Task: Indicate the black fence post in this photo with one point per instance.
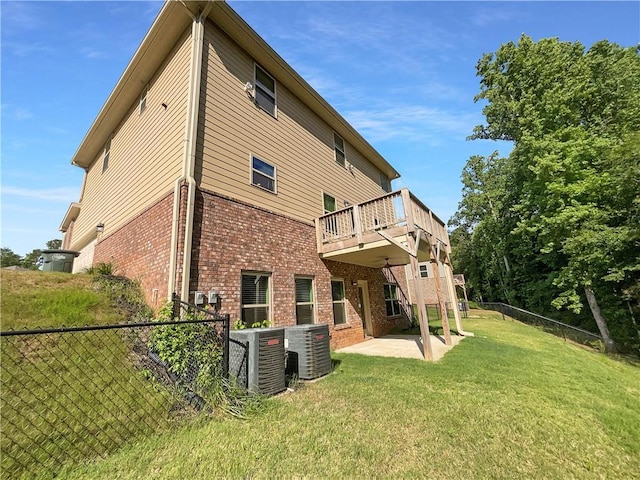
(225, 346)
(175, 312)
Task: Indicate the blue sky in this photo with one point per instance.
(403, 73)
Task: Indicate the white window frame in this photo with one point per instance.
(385, 183)
(335, 200)
(395, 302)
(254, 170)
(423, 268)
(105, 155)
(265, 90)
(142, 104)
(311, 303)
(342, 302)
(244, 306)
(342, 150)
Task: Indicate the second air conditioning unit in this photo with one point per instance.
(308, 352)
(256, 359)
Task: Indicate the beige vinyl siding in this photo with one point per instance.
(146, 152)
(298, 143)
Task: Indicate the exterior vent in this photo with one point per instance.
(256, 359)
(308, 353)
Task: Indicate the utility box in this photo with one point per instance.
(58, 260)
(256, 359)
(308, 351)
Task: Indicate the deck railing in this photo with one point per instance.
(396, 209)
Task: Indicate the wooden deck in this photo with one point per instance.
(375, 232)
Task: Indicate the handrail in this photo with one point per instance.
(394, 209)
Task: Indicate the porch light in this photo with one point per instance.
(100, 228)
(354, 283)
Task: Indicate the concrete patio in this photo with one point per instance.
(403, 346)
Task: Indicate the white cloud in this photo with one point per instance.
(60, 194)
(89, 52)
(496, 15)
(412, 122)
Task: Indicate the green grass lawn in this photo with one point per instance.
(67, 397)
(511, 402)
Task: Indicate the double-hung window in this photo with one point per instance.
(265, 91)
(338, 146)
(105, 156)
(143, 101)
(424, 271)
(385, 183)
(263, 174)
(304, 300)
(391, 299)
(329, 203)
(338, 298)
(255, 298)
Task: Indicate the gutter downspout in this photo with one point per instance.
(188, 165)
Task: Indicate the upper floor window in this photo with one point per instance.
(391, 299)
(304, 300)
(338, 146)
(329, 203)
(263, 174)
(255, 298)
(265, 91)
(143, 101)
(105, 156)
(424, 272)
(385, 183)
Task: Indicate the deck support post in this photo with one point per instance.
(452, 295)
(441, 302)
(422, 308)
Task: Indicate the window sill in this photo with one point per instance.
(265, 189)
(341, 326)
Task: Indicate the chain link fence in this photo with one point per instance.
(70, 395)
(568, 332)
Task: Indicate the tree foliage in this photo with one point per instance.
(8, 258)
(562, 212)
(31, 260)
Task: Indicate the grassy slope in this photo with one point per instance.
(51, 299)
(513, 402)
(57, 397)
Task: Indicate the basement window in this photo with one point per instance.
(424, 271)
(263, 174)
(391, 299)
(255, 297)
(338, 299)
(304, 300)
(265, 91)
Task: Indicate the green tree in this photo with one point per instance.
(9, 258)
(54, 244)
(571, 181)
(31, 259)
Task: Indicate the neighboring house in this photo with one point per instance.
(214, 167)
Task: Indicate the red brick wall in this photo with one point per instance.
(231, 237)
(140, 249)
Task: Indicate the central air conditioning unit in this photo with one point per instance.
(308, 352)
(256, 359)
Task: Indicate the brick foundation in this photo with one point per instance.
(140, 250)
(231, 237)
